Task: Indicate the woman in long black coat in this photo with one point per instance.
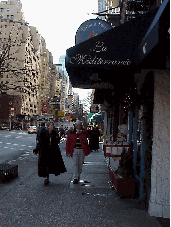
(94, 139)
(50, 158)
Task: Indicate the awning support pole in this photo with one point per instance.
(130, 122)
(135, 137)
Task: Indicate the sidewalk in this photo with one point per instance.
(26, 202)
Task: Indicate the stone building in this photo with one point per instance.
(64, 92)
(94, 108)
(58, 84)
(101, 8)
(11, 9)
(27, 68)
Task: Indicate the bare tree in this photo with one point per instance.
(12, 61)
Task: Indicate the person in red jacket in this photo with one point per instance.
(77, 147)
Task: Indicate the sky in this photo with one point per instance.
(57, 21)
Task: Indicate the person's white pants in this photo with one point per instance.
(78, 160)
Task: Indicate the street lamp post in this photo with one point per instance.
(10, 103)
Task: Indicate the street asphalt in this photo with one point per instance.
(26, 202)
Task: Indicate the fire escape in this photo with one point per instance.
(127, 10)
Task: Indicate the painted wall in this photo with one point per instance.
(159, 204)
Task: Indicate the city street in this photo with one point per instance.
(25, 201)
(14, 144)
(103, 79)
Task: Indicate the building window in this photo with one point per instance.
(5, 26)
(12, 17)
(1, 16)
(7, 16)
(1, 9)
(7, 9)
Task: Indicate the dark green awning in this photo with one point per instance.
(111, 58)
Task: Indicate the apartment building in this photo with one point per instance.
(94, 108)
(101, 8)
(58, 83)
(11, 9)
(63, 92)
(27, 68)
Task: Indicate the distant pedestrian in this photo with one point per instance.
(94, 139)
(77, 147)
(50, 158)
(62, 131)
(40, 129)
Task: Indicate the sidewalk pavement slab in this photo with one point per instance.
(26, 202)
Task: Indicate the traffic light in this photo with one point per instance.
(12, 111)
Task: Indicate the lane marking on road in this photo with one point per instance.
(15, 144)
(5, 147)
(23, 145)
(12, 148)
(8, 143)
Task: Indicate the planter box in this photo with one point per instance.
(8, 172)
(125, 187)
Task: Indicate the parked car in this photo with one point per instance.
(32, 129)
(4, 127)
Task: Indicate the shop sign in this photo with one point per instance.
(44, 107)
(96, 56)
(82, 59)
(61, 113)
(91, 28)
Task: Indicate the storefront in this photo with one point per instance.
(126, 65)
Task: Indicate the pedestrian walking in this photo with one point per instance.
(77, 147)
(50, 158)
(94, 139)
(40, 129)
(62, 131)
